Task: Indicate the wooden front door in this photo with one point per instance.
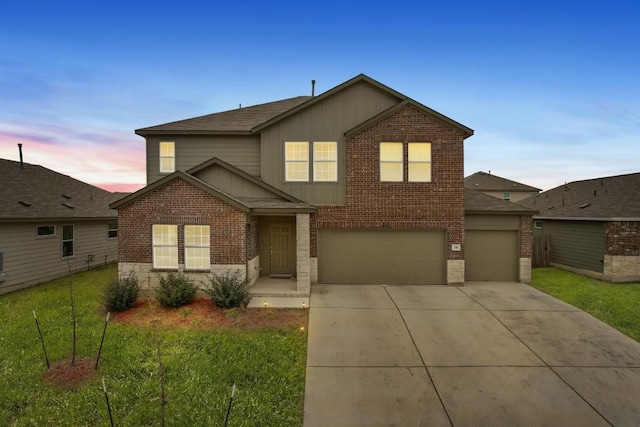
(282, 251)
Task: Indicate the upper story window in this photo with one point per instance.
(301, 157)
(391, 162)
(197, 247)
(165, 246)
(506, 195)
(325, 161)
(296, 158)
(419, 162)
(45, 230)
(167, 157)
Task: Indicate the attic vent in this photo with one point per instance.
(23, 203)
(68, 205)
(585, 205)
(66, 196)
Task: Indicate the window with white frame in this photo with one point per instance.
(67, 241)
(45, 230)
(112, 230)
(197, 247)
(296, 159)
(325, 161)
(506, 195)
(165, 246)
(167, 157)
(391, 162)
(419, 162)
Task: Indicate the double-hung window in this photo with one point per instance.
(392, 161)
(325, 161)
(296, 158)
(165, 246)
(112, 230)
(67, 241)
(197, 247)
(167, 157)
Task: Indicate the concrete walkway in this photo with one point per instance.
(487, 354)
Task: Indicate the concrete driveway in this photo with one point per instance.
(487, 354)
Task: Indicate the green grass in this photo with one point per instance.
(615, 304)
(267, 366)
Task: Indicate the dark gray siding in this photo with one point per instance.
(242, 152)
(577, 244)
(233, 184)
(327, 120)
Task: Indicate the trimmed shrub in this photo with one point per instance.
(176, 290)
(227, 290)
(121, 293)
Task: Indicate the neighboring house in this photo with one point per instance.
(51, 224)
(501, 188)
(360, 184)
(594, 226)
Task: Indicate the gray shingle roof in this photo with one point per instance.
(483, 181)
(238, 120)
(606, 198)
(477, 202)
(35, 192)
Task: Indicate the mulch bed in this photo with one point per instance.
(70, 377)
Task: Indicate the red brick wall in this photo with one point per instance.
(622, 238)
(401, 205)
(526, 236)
(180, 203)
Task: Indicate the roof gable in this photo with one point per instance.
(30, 192)
(483, 181)
(607, 198)
(476, 202)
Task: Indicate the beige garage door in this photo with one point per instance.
(382, 256)
(491, 255)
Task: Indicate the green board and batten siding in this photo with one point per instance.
(577, 244)
(242, 151)
(327, 120)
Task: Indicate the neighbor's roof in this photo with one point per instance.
(483, 181)
(476, 202)
(605, 199)
(255, 118)
(33, 192)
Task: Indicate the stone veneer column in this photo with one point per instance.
(303, 252)
(525, 270)
(455, 272)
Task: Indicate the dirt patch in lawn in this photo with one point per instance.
(70, 377)
(202, 313)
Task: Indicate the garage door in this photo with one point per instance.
(491, 255)
(382, 256)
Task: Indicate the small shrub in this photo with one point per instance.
(175, 290)
(121, 293)
(227, 290)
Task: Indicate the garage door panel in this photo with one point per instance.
(491, 255)
(382, 256)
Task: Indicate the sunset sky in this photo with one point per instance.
(551, 88)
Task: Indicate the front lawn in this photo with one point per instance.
(202, 361)
(615, 304)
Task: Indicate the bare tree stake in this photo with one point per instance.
(46, 358)
(104, 332)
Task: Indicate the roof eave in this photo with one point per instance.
(584, 218)
(485, 212)
(144, 133)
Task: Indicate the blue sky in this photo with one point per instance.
(551, 88)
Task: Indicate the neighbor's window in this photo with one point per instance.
(391, 161)
(167, 157)
(197, 247)
(67, 240)
(325, 161)
(165, 246)
(506, 196)
(45, 230)
(537, 225)
(112, 230)
(419, 162)
(296, 159)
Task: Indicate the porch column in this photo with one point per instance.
(303, 253)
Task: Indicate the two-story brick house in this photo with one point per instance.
(360, 184)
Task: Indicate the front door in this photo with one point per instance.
(281, 238)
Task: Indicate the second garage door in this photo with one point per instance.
(491, 255)
(382, 256)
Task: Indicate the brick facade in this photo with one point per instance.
(371, 203)
(180, 203)
(526, 236)
(622, 238)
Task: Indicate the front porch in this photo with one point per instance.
(278, 293)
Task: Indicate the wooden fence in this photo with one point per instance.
(541, 251)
